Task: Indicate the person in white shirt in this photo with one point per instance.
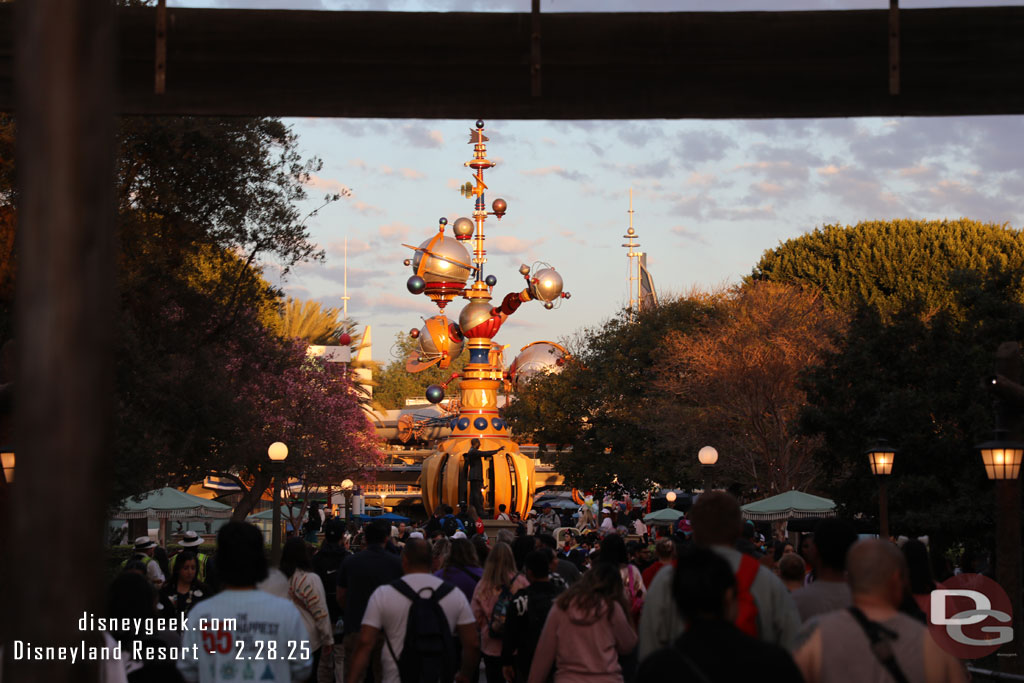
(606, 520)
(247, 634)
(388, 611)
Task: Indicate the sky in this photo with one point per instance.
(709, 196)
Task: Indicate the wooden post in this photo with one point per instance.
(64, 321)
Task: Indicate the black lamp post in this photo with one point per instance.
(881, 457)
(277, 454)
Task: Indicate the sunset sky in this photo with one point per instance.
(709, 196)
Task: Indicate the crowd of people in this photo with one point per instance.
(710, 600)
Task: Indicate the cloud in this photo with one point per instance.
(366, 209)
(701, 179)
(384, 169)
(396, 230)
(575, 176)
(510, 244)
(355, 247)
(329, 185)
(698, 147)
(420, 136)
(768, 188)
(660, 168)
(688, 234)
(572, 237)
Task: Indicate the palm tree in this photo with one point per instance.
(311, 321)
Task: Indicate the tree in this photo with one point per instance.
(916, 379)
(886, 264)
(310, 321)
(735, 383)
(393, 383)
(600, 413)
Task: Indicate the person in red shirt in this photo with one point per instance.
(665, 549)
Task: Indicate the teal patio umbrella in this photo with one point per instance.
(789, 505)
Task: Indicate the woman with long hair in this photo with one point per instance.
(499, 576)
(586, 631)
(461, 567)
(184, 590)
(306, 591)
(613, 550)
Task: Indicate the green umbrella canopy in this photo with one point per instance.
(665, 516)
(285, 512)
(789, 505)
(170, 503)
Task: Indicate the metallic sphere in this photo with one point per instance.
(538, 358)
(414, 333)
(435, 393)
(473, 314)
(407, 262)
(446, 261)
(442, 220)
(524, 269)
(548, 305)
(463, 227)
(416, 284)
(499, 206)
(631, 231)
(490, 280)
(345, 339)
(546, 285)
(479, 123)
(435, 340)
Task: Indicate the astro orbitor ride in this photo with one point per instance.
(443, 269)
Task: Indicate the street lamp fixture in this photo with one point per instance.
(881, 457)
(7, 459)
(277, 454)
(347, 487)
(707, 457)
(671, 498)
(1002, 458)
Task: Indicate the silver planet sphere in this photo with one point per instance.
(538, 358)
(463, 227)
(447, 261)
(546, 284)
(473, 314)
(435, 340)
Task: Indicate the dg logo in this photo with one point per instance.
(970, 616)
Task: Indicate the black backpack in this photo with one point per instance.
(428, 653)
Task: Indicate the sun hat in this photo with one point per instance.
(190, 539)
(144, 543)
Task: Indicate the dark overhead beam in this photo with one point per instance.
(957, 61)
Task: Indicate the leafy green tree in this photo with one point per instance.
(599, 415)
(393, 383)
(916, 379)
(886, 264)
(311, 321)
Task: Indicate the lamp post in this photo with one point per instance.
(1002, 459)
(7, 458)
(346, 488)
(277, 453)
(671, 498)
(707, 456)
(881, 457)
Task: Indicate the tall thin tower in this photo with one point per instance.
(634, 272)
(345, 297)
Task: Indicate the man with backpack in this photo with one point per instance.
(450, 523)
(418, 615)
(765, 607)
